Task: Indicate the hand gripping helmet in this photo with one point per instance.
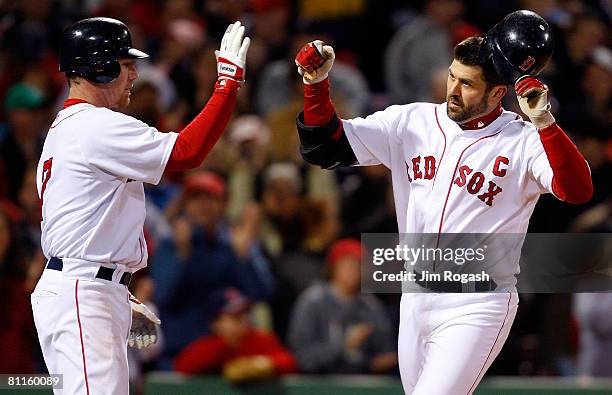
(91, 48)
(518, 45)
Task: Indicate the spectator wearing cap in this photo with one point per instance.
(235, 347)
(204, 254)
(335, 328)
(248, 138)
(282, 201)
(20, 137)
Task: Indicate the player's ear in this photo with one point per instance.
(498, 92)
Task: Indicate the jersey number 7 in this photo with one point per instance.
(46, 174)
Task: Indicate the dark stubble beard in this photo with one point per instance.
(467, 113)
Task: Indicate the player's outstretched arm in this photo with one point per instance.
(196, 140)
(571, 175)
(322, 139)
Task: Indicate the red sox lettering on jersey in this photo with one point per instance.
(449, 180)
(472, 180)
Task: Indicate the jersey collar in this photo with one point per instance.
(484, 121)
(451, 128)
(72, 101)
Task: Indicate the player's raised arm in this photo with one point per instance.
(196, 140)
(571, 180)
(322, 139)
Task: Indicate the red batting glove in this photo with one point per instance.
(310, 57)
(314, 61)
(532, 96)
(231, 57)
(527, 83)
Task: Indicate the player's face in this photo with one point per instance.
(232, 327)
(467, 96)
(347, 273)
(204, 209)
(118, 94)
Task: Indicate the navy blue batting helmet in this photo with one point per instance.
(520, 44)
(91, 48)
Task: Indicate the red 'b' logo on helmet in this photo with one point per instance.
(527, 63)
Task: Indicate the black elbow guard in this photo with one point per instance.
(319, 148)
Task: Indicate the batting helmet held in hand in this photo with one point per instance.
(91, 48)
(520, 44)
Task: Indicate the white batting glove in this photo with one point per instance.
(314, 61)
(533, 98)
(143, 332)
(231, 57)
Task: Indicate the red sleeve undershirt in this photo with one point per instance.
(196, 140)
(571, 175)
(318, 107)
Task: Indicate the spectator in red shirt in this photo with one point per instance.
(239, 351)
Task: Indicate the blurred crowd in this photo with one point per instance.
(254, 257)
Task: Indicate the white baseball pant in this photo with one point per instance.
(83, 326)
(448, 341)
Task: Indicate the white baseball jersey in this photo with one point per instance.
(90, 181)
(449, 180)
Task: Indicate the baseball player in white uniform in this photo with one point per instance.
(463, 166)
(90, 182)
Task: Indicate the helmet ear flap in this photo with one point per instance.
(100, 71)
(105, 70)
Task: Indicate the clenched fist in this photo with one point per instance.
(314, 61)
